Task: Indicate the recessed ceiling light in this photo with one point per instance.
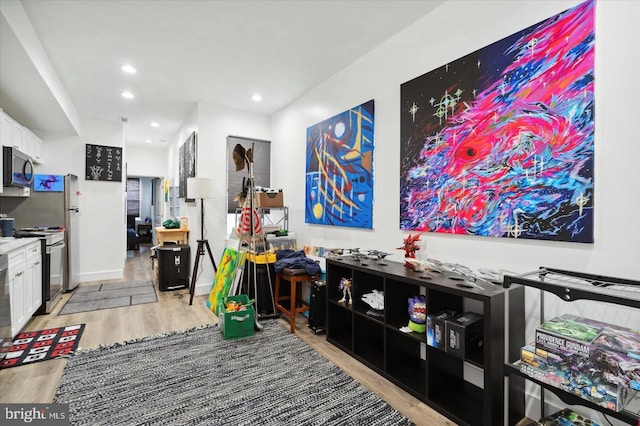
(154, 124)
(129, 69)
(127, 95)
(256, 98)
(148, 140)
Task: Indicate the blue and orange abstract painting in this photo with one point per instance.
(500, 142)
(339, 172)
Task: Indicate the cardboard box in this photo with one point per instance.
(236, 324)
(603, 394)
(436, 333)
(602, 366)
(464, 337)
(270, 199)
(566, 417)
(584, 336)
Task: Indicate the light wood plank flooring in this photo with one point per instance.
(37, 383)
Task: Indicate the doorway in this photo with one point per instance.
(144, 211)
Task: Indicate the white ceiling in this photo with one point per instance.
(187, 51)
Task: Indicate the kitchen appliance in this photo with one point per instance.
(48, 210)
(53, 264)
(17, 167)
(5, 308)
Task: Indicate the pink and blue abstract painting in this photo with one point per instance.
(500, 142)
(339, 169)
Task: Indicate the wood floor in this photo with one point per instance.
(37, 383)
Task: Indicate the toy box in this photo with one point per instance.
(540, 358)
(565, 333)
(582, 336)
(464, 335)
(603, 394)
(566, 417)
(601, 366)
(436, 328)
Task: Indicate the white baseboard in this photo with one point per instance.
(101, 275)
(202, 289)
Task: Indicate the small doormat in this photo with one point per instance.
(110, 295)
(35, 346)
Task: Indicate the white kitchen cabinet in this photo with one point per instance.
(38, 152)
(33, 284)
(17, 278)
(14, 134)
(25, 283)
(19, 137)
(6, 127)
(29, 140)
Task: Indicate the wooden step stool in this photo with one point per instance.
(296, 304)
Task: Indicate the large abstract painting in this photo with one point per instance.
(500, 142)
(339, 172)
(187, 165)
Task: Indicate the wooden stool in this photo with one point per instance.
(296, 304)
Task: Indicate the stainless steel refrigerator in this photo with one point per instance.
(52, 203)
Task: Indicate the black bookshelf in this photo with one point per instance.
(430, 374)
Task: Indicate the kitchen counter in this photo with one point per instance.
(8, 244)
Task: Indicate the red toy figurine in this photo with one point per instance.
(410, 247)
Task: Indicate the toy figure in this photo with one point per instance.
(345, 286)
(410, 247)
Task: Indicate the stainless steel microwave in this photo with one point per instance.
(17, 167)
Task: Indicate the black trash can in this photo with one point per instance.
(173, 266)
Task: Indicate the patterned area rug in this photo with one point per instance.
(112, 295)
(197, 378)
(34, 346)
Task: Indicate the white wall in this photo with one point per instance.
(432, 42)
(142, 161)
(102, 216)
(450, 32)
(213, 124)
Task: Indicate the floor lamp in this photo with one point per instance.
(200, 188)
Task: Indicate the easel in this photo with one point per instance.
(201, 188)
(249, 232)
(202, 244)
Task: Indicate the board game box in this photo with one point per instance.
(603, 394)
(582, 336)
(602, 366)
(566, 417)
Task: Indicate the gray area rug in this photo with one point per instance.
(197, 378)
(112, 295)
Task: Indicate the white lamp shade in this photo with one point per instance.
(200, 188)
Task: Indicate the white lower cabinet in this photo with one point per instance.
(25, 283)
(17, 273)
(34, 278)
